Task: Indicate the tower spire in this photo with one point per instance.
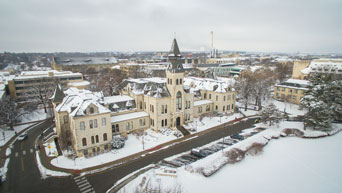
(175, 58)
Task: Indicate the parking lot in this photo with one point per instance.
(204, 151)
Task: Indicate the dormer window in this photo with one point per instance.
(91, 110)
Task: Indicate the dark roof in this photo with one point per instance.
(175, 59)
(59, 95)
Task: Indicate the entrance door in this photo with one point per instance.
(178, 121)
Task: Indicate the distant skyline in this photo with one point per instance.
(306, 26)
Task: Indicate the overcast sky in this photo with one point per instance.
(144, 25)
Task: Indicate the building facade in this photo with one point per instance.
(81, 64)
(292, 90)
(87, 121)
(28, 85)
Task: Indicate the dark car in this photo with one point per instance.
(198, 153)
(237, 136)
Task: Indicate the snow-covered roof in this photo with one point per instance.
(76, 101)
(80, 83)
(295, 83)
(85, 60)
(117, 99)
(325, 65)
(128, 116)
(206, 84)
(42, 74)
(202, 102)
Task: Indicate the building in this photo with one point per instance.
(24, 87)
(291, 90)
(302, 69)
(86, 121)
(82, 64)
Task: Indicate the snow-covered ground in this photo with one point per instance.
(35, 115)
(289, 164)
(209, 122)
(133, 145)
(50, 149)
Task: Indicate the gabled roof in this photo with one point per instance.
(58, 95)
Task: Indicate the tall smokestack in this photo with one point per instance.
(212, 40)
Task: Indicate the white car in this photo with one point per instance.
(22, 136)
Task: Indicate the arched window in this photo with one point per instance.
(92, 139)
(105, 137)
(162, 109)
(176, 81)
(179, 100)
(97, 138)
(84, 141)
(117, 127)
(162, 123)
(91, 110)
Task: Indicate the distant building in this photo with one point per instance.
(87, 121)
(291, 90)
(303, 69)
(22, 87)
(81, 64)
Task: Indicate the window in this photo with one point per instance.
(216, 107)
(224, 98)
(117, 128)
(199, 109)
(65, 119)
(140, 122)
(277, 94)
(144, 122)
(91, 110)
(165, 122)
(207, 108)
(283, 89)
(168, 81)
(82, 125)
(140, 105)
(290, 90)
(162, 109)
(180, 81)
(92, 139)
(162, 123)
(176, 81)
(179, 100)
(171, 81)
(106, 146)
(294, 97)
(127, 126)
(232, 106)
(165, 108)
(224, 108)
(296, 91)
(103, 121)
(85, 152)
(216, 97)
(278, 89)
(84, 141)
(91, 124)
(205, 95)
(209, 96)
(95, 123)
(97, 138)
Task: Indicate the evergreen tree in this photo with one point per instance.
(271, 114)
(323, 101)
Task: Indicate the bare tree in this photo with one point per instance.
(283, 70)
(244, 87)
(109, 83)
(9, 112)
(43, 90)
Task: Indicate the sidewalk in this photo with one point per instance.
(46, 161)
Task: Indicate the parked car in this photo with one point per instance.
(237, 136)
(198, 153)
(22, 136)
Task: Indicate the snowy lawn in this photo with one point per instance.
(35, 115)
(288, 164)
(209, 122)
(6, 135)
(133, 145)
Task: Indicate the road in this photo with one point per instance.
(24, 176)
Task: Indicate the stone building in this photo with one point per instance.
(86, 121)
